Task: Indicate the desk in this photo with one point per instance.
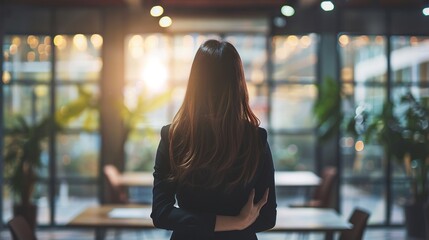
(97, 217)
(282, 179)
(288, 220)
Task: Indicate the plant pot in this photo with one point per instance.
(415, 220)
(29, 212)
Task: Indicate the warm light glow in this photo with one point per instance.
(292, 40)
(31, 56)
(359, 146)
(327, 6)
(6, 77)
(97, 40)
(16, 41)
(288, 11)
(6, 56)
(47, 40)
(156, 11)
(60, 42)
(80, 42)
(41, 48)
(347, 73)
(344, 40)
(135, 46)
(32, 41)
(379, 40)
(47, 49)
(155, 75)
(165, 21)
(13, 49)
(305, 41)
(414, 41)
(426, 11)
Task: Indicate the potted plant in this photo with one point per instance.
(137, 114)
(403, 130)
(23, 152)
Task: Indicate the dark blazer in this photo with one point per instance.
(194, 216)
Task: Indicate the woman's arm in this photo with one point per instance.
(166, 216)
(248, 214)
(268, 213)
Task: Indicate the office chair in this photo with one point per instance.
(359, 219)
(322, 195)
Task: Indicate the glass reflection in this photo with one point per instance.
(26, 58)
(294, 58)
(410, 59)
(293, 152)
(77, 155)
(363, 58)
(292, 107)
(78, 57)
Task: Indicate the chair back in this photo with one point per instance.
(20, 229)
(116, 193)
(359, 219)
(323, 193)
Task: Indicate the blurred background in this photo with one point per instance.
(133, 61)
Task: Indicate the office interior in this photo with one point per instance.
(133, 68)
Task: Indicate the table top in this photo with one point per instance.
(309, 220)
(288, 219)
(98, 216)
(282, 179)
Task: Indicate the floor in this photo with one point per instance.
(67, 234)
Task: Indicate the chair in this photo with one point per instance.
(359, 219)
(20, 229)
(117, 194)
(322, 195)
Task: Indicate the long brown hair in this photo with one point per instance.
(215, 131)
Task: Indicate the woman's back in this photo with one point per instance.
(213, 158)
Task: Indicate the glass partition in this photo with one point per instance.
(291, 99)
(364, 80)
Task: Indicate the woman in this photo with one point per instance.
(213, 158)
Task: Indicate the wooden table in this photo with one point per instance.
(288, 220)
(282, 179)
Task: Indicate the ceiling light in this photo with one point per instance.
(426, 11)
(287, 10)
(156, 11)
(165, 21)
(327, 6)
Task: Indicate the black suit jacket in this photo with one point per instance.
(194, 216)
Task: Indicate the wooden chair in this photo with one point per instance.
(322, 195)
(359, 219)
(20, 229)
(117, 194)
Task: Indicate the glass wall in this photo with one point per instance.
(293, 92)
(38, 85)
(157, 70)
(366, 87)
(363, 76)
(410, 73)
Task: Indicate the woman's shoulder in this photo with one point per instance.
(165, 131)
(262, 133)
